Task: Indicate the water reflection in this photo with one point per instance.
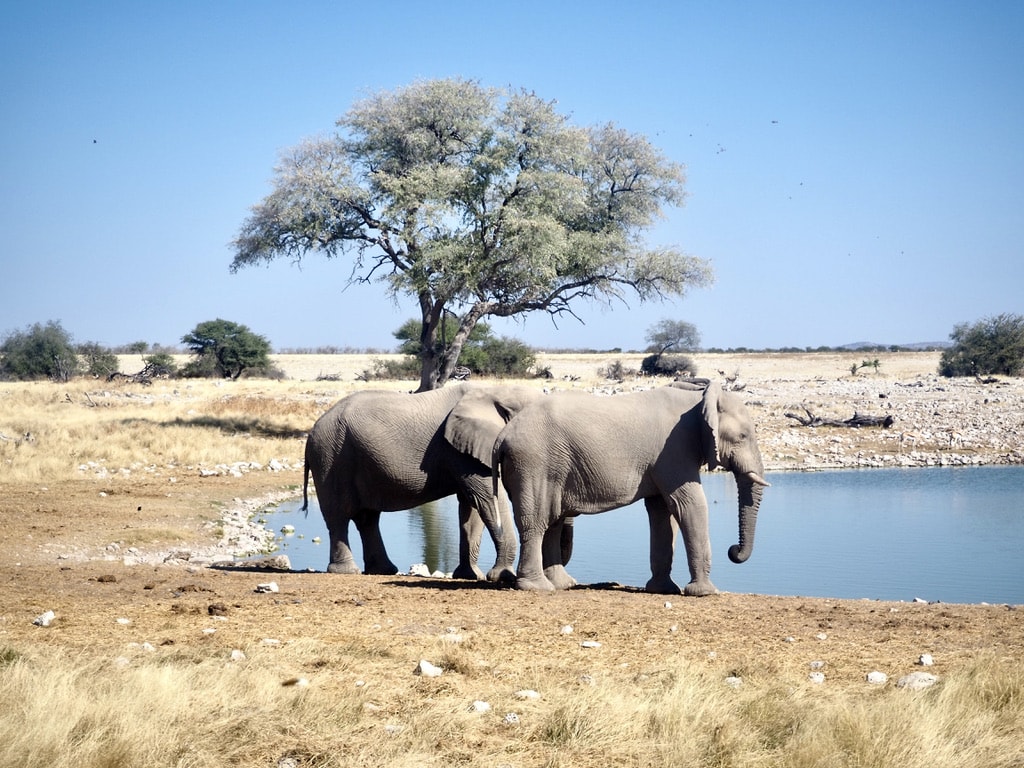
(949, 534)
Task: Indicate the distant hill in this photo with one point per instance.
(917, 345)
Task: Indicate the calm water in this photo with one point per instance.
(948, 534)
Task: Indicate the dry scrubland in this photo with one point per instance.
(141, 665)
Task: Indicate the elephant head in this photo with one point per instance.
(729, 442)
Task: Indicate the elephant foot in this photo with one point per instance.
(502, 575)
(557, 575)
(346, 566)
(468, 572)
(535, 583)
(700, 589)
(385, 568)
(662, 586)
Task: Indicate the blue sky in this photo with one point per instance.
(855, 170)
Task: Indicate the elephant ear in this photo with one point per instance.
(474, 423)
(709, 426)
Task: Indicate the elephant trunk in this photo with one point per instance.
(750, 487)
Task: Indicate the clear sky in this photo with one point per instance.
(855, 170)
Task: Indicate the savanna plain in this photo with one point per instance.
(114, 499)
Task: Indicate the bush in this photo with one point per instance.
(98, 362)
(482, 353)
(224, 349)
(668, 365)
(994, 345)
(39, 352)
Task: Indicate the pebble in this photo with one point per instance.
(817, 677)
(917, 681)
(237, 655)
(426, 669)
(567, 629)
(270, 586)
(877, 678)
(590, 644)
(480, 706)
(527, 694)
(925, 660)
(44, 619)
(734, 682)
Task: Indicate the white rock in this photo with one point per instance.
(734, 682)
(917, 681)
(123, 621)
(480, 706)
(511, 719)
(668, 604)
(237, 655)
(925, 660)
(426, 669)
(590, 644)
(821, 636)
(877, 678)
(527, 694)
(287, 530)
(817, 677)
(270, 641)
(817, 665)
(419, 569)
(270, 586)
(44, 619)
(568, 629)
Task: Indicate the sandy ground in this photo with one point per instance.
(174, 604)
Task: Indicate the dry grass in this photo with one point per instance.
(199, 710)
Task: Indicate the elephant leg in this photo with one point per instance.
(375, 556)
(497, 516)
(471, 528)
(342, 560)
(692, 510)
(567, 536)
(664, 530)
(552, 555)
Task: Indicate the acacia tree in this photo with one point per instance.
(225, 349)
(665, 334)
(478, 202)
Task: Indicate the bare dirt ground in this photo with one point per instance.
(79, 548)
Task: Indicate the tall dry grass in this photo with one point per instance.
(191, 709)
(51, 430)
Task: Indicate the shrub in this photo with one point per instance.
(482, 353)
(39, 352)
(98, 361)
(224, 349)
(994, 345)
(668, 365)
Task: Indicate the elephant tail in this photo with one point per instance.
(497, 454)
(305, 487)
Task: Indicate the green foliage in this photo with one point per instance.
(482, 353)
(98, 361)
(224, 349)
(668, 365)
(476, 202)
(854, 367)
(666, 334)
(994, 345)
(39, 352)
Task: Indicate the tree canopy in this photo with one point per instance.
(666, 334)
(477, 202)
(225, 349)
(992, 345)
(41, 351)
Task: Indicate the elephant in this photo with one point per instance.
(377, 451)
(574, 454)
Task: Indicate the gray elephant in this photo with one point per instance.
(569, 455)
(377, 451)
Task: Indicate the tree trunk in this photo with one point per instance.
(857, 420)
